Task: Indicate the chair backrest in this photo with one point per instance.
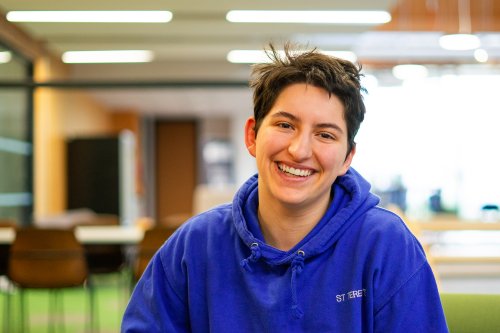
(152, 241)
(103, 258)
(472, 312)
(46, 258)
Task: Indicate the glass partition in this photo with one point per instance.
(15, 138)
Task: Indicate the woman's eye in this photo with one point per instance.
(284, 125)
(327, 136)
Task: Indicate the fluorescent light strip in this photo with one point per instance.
(459, 42)
(260, 56)
(112, 16)
(308, 16)
(115, 56)
(5, 57)
(409, 71)
(247, 57)
(347, 55)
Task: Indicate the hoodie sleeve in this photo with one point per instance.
(155, 305)
(415, 307)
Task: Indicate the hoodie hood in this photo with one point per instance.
(351, 199)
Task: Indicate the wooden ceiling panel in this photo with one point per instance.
(449, 16)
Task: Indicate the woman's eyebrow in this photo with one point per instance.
(284, 114)
(292, 117)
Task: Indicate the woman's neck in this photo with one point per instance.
(283, 228)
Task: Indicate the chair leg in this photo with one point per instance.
(59, 302)
(8, 323)
(6, 311)
(93, 323)
(24, 311)
(56, 312)
(52, 315)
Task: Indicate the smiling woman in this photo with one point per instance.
(304, 228)
(300, 148)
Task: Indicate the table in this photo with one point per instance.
(123, 235)
(463, 248)
(7, 235)
(454, 225)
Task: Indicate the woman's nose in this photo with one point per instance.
(300, 147)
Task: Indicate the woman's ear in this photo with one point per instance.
(250, 136)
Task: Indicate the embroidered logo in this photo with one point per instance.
(350, 295)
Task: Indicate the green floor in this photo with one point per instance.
(111, 296)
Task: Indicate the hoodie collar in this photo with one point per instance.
(351, 199)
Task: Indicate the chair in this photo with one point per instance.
(103, 258)
(50, 259)
(471, 313)
(106, 261)
(153, 239)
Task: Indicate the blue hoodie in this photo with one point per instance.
(359, 270)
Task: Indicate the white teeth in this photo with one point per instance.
(293, 171)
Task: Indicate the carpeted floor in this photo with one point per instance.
(72, 308)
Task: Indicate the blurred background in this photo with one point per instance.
(157, 139)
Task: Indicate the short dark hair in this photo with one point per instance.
(337, 76)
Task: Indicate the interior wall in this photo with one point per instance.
(58, 114)
(130, 120)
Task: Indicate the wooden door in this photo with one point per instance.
(176, 166)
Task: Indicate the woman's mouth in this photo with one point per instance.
(294, 171)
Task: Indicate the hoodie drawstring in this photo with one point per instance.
(297, 267)
(254, 257)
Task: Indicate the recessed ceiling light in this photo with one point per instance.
(481, 55)
(260, 56)
(308, 16)
(247, 56)
(114, 56)
(347, 55)
(5, 57)
(112, 16)
(459, 42)
(409, 71)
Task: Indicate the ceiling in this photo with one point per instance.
(190, 51)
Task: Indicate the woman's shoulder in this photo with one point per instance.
(214, 218)
(386, 221)
(197, 229)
